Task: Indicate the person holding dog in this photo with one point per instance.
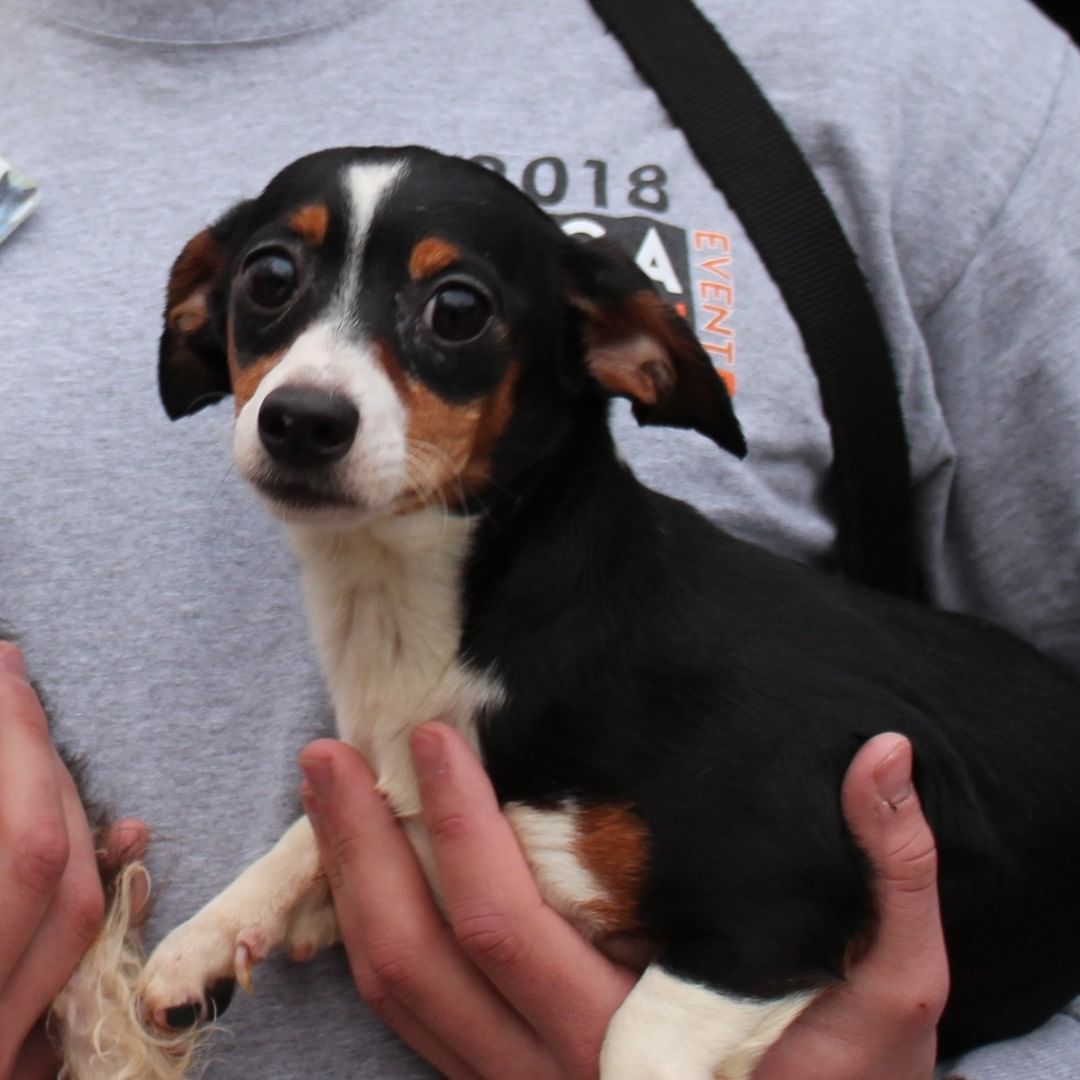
(178, 658)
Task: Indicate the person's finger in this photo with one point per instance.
(123, 843)
(34, 845)
(73, 917)
(883, 811)
(405, 963)
(565, 988)
(882, 1020)
(11, 660)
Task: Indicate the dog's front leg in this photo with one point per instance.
(282, 899)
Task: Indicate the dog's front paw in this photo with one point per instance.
(190, 977)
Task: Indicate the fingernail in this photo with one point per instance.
(311, 808)
(128, 841)
(892, 777)
(427, 754)
(11, 660)
(318, 777)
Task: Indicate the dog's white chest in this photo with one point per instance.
(385, 611)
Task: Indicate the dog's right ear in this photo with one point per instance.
(193, 369)
(637, 346)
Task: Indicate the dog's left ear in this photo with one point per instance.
(193, 369)
(637, 346)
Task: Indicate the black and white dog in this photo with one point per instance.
(422, 364)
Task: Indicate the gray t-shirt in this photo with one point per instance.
(156, 600)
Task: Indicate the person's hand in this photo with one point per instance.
(49, 882)
(508, 989)
(882, 1022)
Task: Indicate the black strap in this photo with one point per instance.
(744, 146)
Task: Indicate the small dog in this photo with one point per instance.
(422, 365)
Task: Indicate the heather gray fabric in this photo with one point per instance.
(155, 599)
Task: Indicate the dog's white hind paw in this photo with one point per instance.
(673, 1029)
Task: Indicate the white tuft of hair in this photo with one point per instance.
(94, 1021)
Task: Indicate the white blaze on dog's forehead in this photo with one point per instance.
(671, 1028)
(366, 186)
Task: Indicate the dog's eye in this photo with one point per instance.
(271, 278)
(458, 312)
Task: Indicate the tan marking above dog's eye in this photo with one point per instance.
(310, 223)
(431, 256)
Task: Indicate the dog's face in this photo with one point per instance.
(400, 328)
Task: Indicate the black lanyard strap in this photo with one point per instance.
(752, 158)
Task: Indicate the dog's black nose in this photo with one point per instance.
(304, 427)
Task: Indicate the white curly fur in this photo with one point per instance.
(94, 1020)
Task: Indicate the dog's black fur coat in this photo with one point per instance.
(721, 691)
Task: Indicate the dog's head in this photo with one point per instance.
(399, 328)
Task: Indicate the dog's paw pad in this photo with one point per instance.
(192, 1013)
(218, 997)
(179, 1017)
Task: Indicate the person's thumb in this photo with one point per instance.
(885, 816)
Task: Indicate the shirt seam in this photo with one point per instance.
(1022, 171)
(349, 11)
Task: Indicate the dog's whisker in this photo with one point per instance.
(225, 477)
(419, 452)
